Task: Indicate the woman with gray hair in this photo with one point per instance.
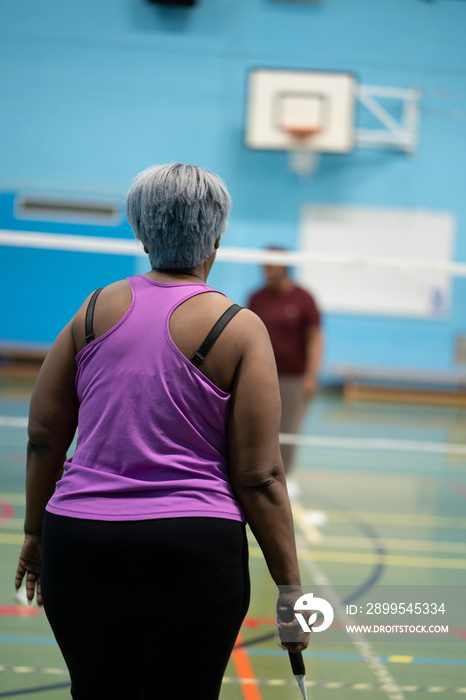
(139, 538)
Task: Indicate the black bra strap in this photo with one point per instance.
(199, 357)
(89, 322)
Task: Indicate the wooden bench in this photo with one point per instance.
(18, 361)
(409, 386)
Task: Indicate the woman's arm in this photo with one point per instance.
(314, 345)
(53, 417)
(256, 469)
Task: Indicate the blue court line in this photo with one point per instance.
(27, 640)
(28, 691)
(357, 657)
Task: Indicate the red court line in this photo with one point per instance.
(18, 611)
(245, 672)
(258, 621)
(7, 511)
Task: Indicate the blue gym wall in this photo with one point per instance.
(94, 92)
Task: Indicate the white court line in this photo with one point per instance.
(13, 422)
(325, 441)
(388, 684)
(372, 444)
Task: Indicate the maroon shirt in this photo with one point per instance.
(287, 318)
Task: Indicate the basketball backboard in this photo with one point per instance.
(285, 102)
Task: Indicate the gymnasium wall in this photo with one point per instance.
(94, 92)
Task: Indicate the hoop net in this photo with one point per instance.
(303, 159)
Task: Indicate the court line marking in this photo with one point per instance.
(245, 672)
(13, 422)
(6, 538)
(19, 611)
(446, 521)
(335, 685)
(383, 444)
(30, 691)
(387, 518)
(369, 558)
(47, 641)
(259, 681)
(341, 656)
(388, 684)
(322, 655)
(410, 545)
(333, 557)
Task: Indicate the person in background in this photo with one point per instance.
(136, 545)
(293, 321)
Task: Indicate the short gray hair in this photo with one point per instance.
(178, 211)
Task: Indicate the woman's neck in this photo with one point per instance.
(193, 274)
(177, 276)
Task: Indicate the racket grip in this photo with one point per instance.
(285, 612)
(297, 663)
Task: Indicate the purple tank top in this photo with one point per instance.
(152, 428)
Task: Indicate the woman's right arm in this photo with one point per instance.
(256, 468)
(53, 416)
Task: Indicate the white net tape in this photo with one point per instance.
(126, 246)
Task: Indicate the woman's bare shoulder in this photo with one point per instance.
(115, 298)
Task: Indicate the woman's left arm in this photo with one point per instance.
(53, 418)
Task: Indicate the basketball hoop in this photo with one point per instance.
(303, 159)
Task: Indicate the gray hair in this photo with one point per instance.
(178, 211)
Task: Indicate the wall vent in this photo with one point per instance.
(67, 210)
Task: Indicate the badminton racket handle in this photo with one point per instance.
(285, 613)
(297, 663)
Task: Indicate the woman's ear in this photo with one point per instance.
(146, 251)
(217, 243)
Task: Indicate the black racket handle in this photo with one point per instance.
(297, 663)
(286, 614)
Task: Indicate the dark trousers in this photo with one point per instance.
(148, 609)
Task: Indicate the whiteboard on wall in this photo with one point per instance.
(383, 233)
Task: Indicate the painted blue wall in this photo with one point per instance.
(93, 92)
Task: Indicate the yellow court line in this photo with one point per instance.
(312, 534)
(11, 539)
(410, 519)
(389, 559)
(409, 545)
(335, 557)
(372, 559)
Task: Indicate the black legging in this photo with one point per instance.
(148, 609)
